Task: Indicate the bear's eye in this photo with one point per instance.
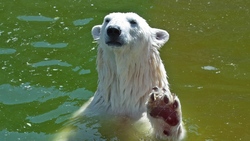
(132, 22)
(107, 20)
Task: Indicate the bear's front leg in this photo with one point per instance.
(165, 116)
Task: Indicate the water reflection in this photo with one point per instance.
(81, 71)
(209, 68)
(51, 63)
(7, 51)
(26, 93)
(39, 18)
(81, 22)
(44, 44)
(60, 114)
(32, 136)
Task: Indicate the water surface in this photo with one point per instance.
(48, 63)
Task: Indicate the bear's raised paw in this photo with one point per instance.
(164, 113)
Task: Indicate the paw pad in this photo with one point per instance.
(175, 105)
(165, 132)
(165, 98)
(165, 106)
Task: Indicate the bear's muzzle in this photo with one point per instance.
(114, 36)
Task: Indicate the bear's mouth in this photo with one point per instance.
(114, 43)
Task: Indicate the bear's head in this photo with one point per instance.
(121, 30)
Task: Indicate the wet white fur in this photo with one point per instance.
(127, 74)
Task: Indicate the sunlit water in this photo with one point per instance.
(48, 64)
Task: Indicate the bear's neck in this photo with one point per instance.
(125, 79)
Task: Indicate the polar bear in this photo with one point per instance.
(129, 66)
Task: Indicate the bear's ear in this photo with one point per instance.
(96, 31)
(160, 37)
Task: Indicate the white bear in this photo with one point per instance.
(129, 66)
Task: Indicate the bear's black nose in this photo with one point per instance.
(113, 32)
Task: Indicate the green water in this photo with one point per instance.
(47, 61)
